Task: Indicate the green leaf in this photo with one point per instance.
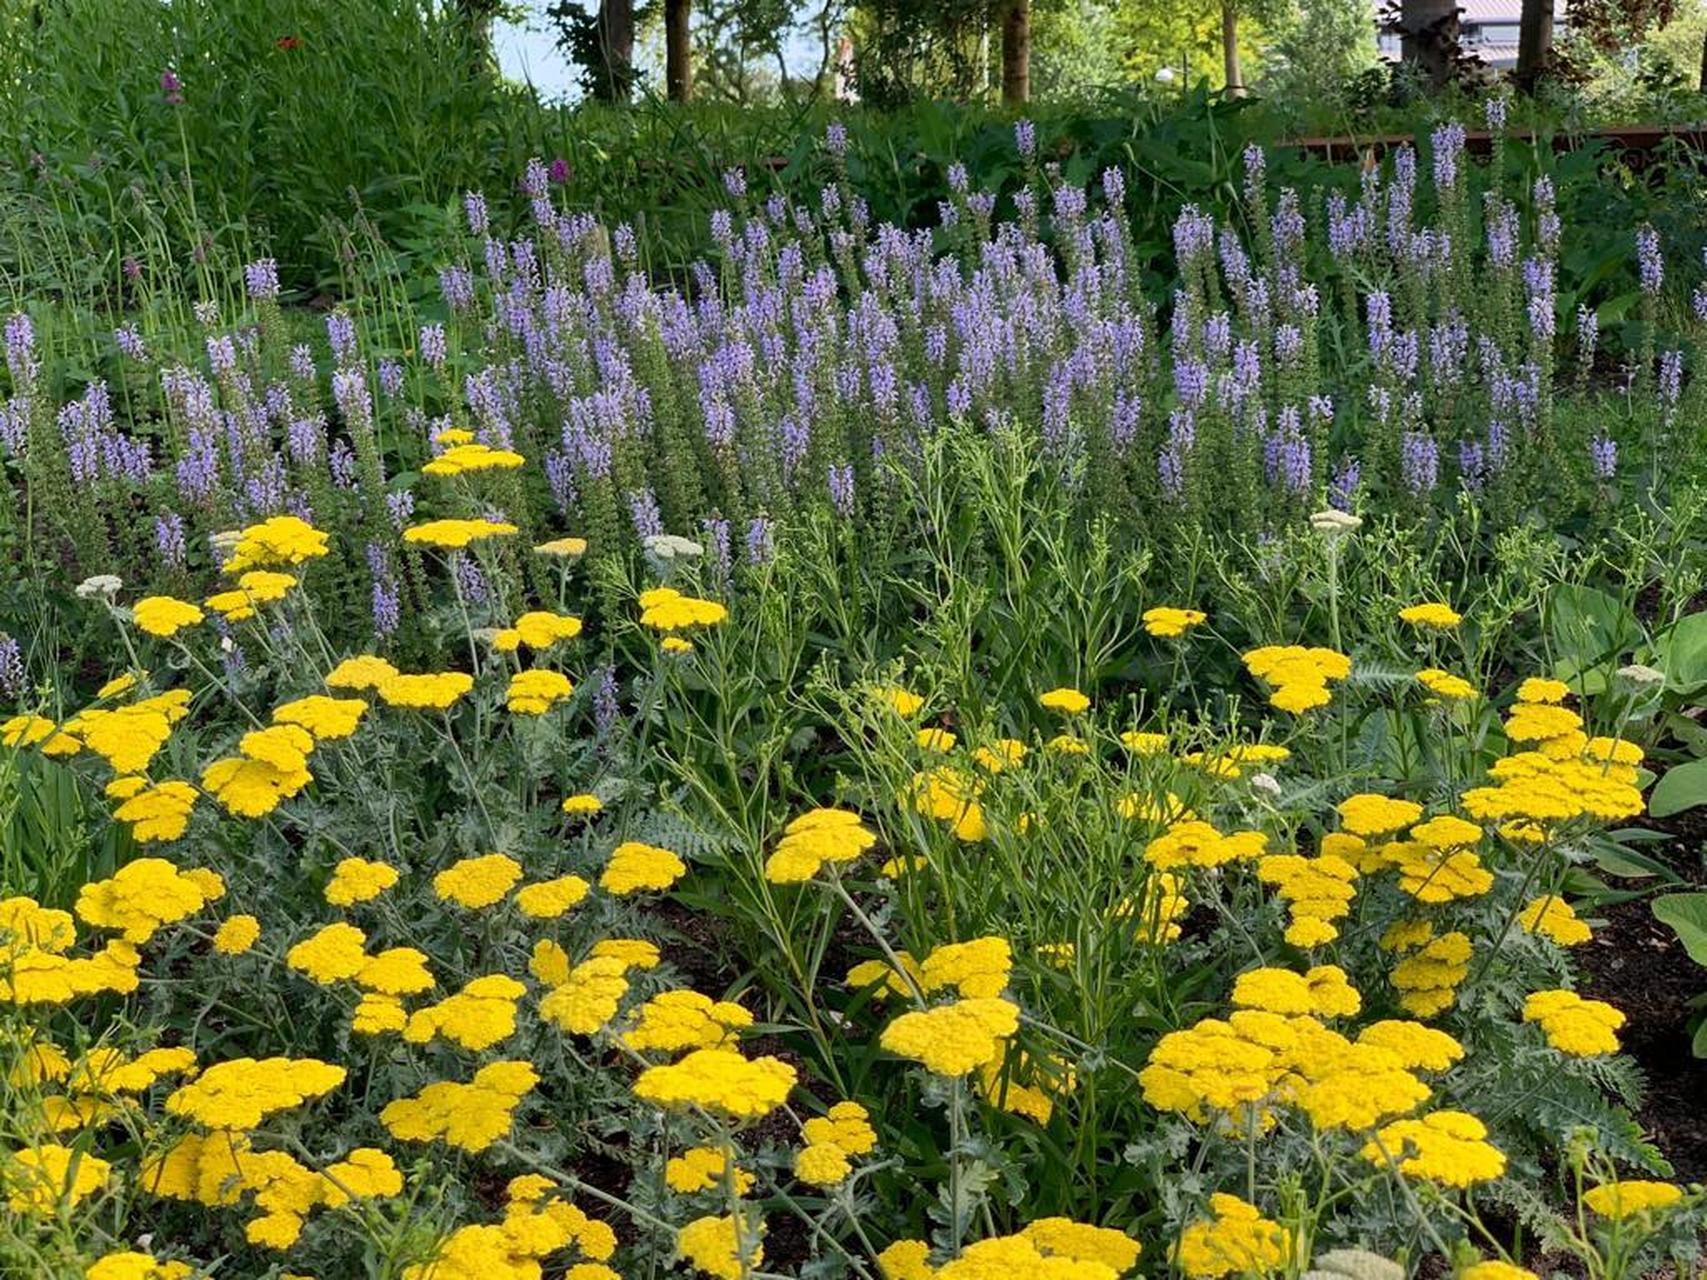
(1686, 913)
(1683, 787)
(1589, 626)
(1683, 652)
(1699, 1045)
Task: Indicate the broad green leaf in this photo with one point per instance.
(1686, 913)
(1683, 787)
(1589, 626)
(1682, 652)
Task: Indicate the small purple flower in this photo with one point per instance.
(171, 88)
(560, 478)
(130, 344)
(716, 530)
(457, 286)
(433, 346)
(1419, 462)
(1588, 333)
(1170, 470)
(836, 139)
(1256, 169)
(1494, 113)
(1194, 235)
(221, 354)
(302, 362)
(390, 377)
(470, 581)
(643, 510)
(1342, 489)
(1448, 145)
(343, 464)
(958, 181)
(606, 709)
(1671, 378)
(1603, 457)
(1472, 465)
(735, 183)
(1025, 138)
(559, 171)
(170, 542)
(400, 506)
(841, 485)
(261, 278)
(1114, 187)
(341, 332)
(1650, 262)
(474, 209)
(12, 676)
(21, 348)
(760, 548)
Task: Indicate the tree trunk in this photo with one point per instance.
(616, 50)
(1704, 64)
(1016, 52)
(1230, 49)
(1534, 43)
(678, 66)
(1430, 37)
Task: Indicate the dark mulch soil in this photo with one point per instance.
(1637, 964)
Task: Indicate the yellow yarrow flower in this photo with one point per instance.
(702, 1169)
(548, 899)
(164, 616)
(325, 719)
(1449, 1147)
(1572, 1025)
(435, 692)
(468, 1116)
(364, 671)
(274, 541)
(236, 935)
(1631, 1198)
(953, 1039)
(666, 609)
(538, 630)
(1066, 700)
(1235, 1240)
(635, 867)
(1166, 622)
(461, 459)
(813, 839)
(39, 1180)
(719, 1081)
(533, 693)
(1443, 684)
(358, 880)
(714, 1245)
(241, 1092)
(1432, 613)
(587, 996)
(478, 881)
(1552, 917)
(455, 535)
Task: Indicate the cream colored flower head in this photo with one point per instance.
(106, 585)
(1334, 523)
